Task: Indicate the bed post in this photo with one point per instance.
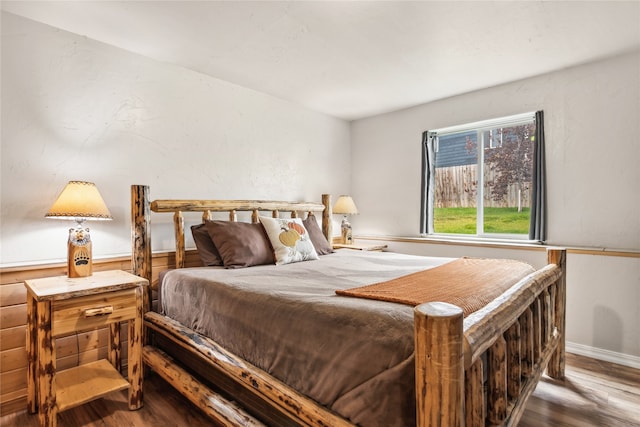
(555, 368)
(438, 334)
(327, 222)
(178, 229)
(140, 236)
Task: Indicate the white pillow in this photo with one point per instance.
(290, 240)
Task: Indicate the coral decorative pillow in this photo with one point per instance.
(289, 239)
(240, 244)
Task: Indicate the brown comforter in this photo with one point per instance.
(353, 355)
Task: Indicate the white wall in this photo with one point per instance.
(592, 130)
(74, 108)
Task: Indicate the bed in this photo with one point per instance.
(445, 368)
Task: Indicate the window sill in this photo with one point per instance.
(465, 241)
(503, 244)
(514, 240)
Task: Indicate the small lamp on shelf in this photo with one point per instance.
(79, 201)
(345, 206)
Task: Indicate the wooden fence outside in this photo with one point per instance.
(456, 187)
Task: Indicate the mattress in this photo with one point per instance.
(353, 355)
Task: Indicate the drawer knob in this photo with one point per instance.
(98, 311)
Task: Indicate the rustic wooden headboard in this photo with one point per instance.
(141, 209)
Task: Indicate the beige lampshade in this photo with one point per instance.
(345, 205)
(79, 200)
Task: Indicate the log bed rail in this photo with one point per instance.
(473, 371)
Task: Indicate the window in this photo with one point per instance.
(485, 179)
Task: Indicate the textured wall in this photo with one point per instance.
(74, 108)
(592, 143)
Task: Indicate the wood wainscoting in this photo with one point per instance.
(72, 350)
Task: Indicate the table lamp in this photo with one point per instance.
(345, 206)
(79, 201)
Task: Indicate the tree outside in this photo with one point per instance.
(511, 158)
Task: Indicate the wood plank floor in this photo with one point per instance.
(594, 393)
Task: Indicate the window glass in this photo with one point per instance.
(482, 180)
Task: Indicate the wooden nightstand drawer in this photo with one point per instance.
(92, 311)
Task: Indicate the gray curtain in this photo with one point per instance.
(428, 180)
(538, 224)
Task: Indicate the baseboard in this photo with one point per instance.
(606, 355)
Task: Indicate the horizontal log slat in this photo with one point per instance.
(219, 409)
(12, 337)
(13, 401)
(12, 294)
(232, 205)
(13, 315)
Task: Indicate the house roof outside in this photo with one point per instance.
(453, 151)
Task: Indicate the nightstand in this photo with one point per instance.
(59, 306)
(358, 247)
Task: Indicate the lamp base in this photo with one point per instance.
(347, 236)
(79, 263)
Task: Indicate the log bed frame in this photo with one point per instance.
(505, 347)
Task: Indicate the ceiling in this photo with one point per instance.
(353, 59)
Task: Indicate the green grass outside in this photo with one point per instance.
(496, 220)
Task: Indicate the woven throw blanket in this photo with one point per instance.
(469, 283)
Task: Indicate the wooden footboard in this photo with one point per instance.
(515, 338)
(506, 346)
